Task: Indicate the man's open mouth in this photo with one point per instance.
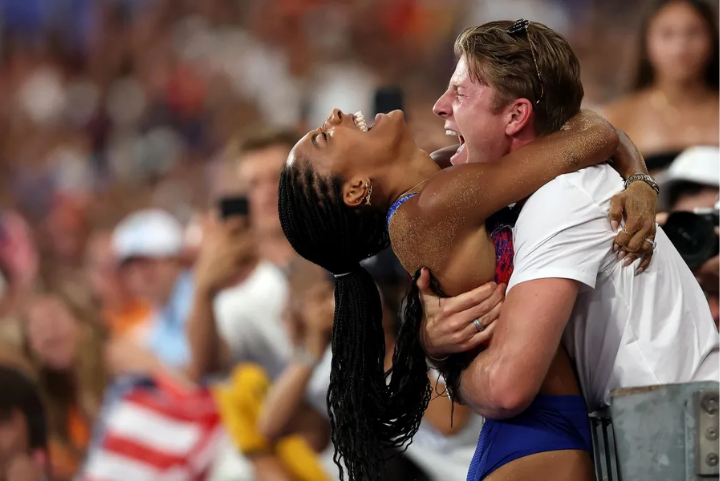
(461, 139)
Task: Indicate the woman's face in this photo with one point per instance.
(53, 333)
(341, 146)
(679, 44)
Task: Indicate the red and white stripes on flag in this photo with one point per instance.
(155, 432)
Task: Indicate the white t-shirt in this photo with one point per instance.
(625, 330)
(249, 319)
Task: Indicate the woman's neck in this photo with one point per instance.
(680, 92)
(409, 177)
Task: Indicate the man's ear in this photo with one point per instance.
(519, 115)
(355, 191)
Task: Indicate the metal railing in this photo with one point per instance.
(658, 433)
(604, 450)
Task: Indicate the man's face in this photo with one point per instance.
(101, 268)
(151, 279)
(260, 170)
(704, 198)
(466, 108)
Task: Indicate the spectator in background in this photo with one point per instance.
(692, 180)
(23, 428)
(241, 291)
(243, 320)
(259, 158)
(235, 325)
(18, 271)
(64, 341)
(241, 323)
(674, 103)
(148, 245)
(122, 312)
(692, 183)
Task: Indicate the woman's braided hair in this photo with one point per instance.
(369, 415)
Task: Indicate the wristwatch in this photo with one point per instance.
(643, 178)
(303, 356)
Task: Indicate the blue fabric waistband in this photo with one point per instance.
(564, 403)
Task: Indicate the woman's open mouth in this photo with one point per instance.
(361, 123)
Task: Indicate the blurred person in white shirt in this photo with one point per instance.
(258, 158)
(237, 306)
(241, 289)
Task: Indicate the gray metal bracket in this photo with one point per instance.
(707, 445)
(665, 432)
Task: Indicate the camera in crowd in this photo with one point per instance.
(693, 235)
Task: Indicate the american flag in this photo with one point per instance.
(151, 430)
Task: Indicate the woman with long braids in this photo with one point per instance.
(347, 190)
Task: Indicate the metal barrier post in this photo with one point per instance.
(605, 455)
(667, 432)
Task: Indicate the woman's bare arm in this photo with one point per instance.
(626, 161)
(440, 412)
(587, 139)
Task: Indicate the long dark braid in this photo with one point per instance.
(367, 416)
(409, 341)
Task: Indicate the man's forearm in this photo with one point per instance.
(284, 400)
(483, 391)
(503, 380)
(205, 345)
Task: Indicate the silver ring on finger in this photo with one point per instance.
(651, 242)
(478, 325)
(624, 230)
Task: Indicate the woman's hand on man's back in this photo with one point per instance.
(448, 326)
(637, 205)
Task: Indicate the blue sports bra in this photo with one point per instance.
(501, 235)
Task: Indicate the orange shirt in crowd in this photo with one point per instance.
(135, 315)
(65, 458)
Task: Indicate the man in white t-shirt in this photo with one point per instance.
(243, 323)
(621, 326)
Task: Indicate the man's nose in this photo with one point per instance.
(443, 107)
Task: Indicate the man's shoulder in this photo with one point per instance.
(593, 185)
(568, 201)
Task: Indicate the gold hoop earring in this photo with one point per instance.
(369, 189)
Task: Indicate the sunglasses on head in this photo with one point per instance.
(517, 28)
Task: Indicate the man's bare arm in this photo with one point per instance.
(503, 380)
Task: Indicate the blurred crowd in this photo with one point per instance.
(140, 246)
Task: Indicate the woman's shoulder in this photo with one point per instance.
(622, 110)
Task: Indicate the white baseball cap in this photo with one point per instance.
(150, 233)
(699, 165)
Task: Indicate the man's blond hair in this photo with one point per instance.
(504, 61)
